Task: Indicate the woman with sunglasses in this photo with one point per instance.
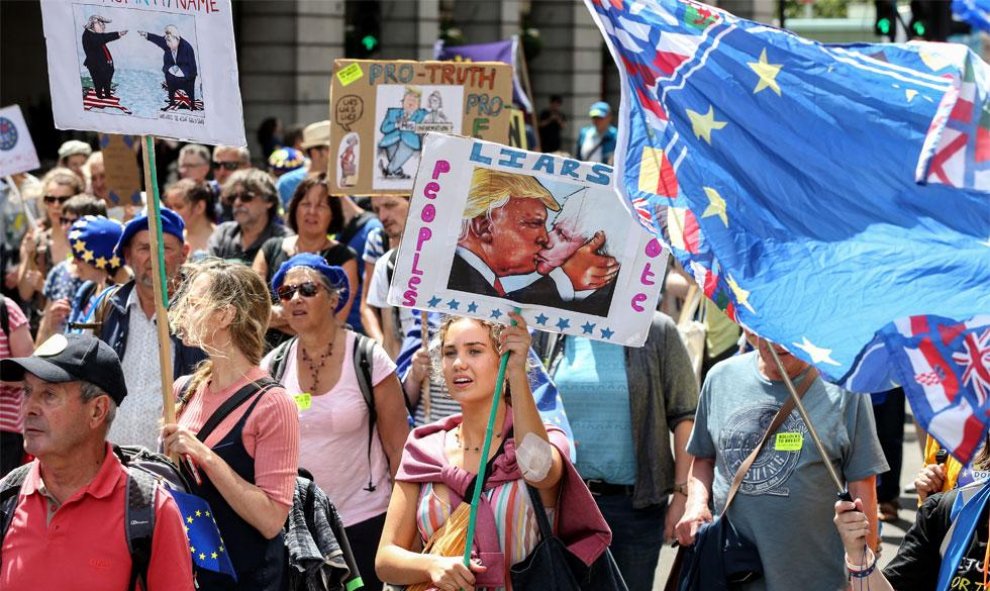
(46, 244)
(245, 467)
(315, 217)
(353, 463)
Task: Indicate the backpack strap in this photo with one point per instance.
(139, 523)
(10, 488)
(363, 348)
(231, 404)
(276, 368)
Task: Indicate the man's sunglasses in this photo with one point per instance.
(50, 199)
(228, 166)
(244, 196)
(306, 289)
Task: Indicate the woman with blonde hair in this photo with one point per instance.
(441, 460)
(237, 429)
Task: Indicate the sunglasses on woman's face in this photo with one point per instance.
(307, 289)
(66, 221)
(52, 199)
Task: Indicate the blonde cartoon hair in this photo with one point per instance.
(414, 90)
(491, 189)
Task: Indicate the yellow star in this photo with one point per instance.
(767, 73)
(101, 263)
(189, 519)
(703, 125)
(742, 296)
(221, 548)
(187, 532)
(202, 556)
(87, 256)
(114, 261)
(199, 513)
(79, 246)
(213, 555)
(192, 549)
(207, 513)
(716, 206)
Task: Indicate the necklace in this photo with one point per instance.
(476, 448)
(315, 368)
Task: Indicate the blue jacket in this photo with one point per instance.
(608, 143)
(114, 333)
(185, 57)
(392, 133)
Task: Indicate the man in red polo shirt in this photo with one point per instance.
(67, 530)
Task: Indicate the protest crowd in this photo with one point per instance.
(314, 434)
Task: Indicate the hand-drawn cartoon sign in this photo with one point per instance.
(492, 227)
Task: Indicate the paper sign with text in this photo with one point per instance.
(491, 228)
(120, 163)
(380, 111)
(167, 69)
(17, 152)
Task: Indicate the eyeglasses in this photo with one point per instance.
(307, 289)
(244, 196)
(228, 166)
(67, 221)
(50, 199)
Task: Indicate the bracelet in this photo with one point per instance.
(681, 488)
(862, 572)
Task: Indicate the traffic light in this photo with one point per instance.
(930, 20)
(362, 32)
(886, 23)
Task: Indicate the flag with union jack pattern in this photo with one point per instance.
(825, 196)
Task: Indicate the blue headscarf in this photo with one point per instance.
(335, 276)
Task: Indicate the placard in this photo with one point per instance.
(492, 227)
(17, 152)
(380, 110)
(167, 69)
(121, 166)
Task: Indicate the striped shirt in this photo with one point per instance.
(10, 394)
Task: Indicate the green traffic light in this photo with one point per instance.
(370, 42)
(883, 25)
(919, 28)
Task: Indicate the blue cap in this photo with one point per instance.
(600, 109)
(92, 239)
(286, 160)
(171, 224)
(334, 274)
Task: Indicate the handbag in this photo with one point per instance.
(721, 557)
(552, 567)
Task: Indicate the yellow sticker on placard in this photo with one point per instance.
(788, 442)
(304, 400)
(350, 74)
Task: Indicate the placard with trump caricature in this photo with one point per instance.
(491, 228)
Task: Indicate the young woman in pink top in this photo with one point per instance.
(317, 367)
(441, 459)
(245, 467)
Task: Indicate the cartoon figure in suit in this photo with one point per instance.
(178, 64)
(400, 140)
(99, 61)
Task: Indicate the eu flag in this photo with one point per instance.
(205, 543)
(834, 199)
(975, 13)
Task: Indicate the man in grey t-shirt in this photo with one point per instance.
(785, 502)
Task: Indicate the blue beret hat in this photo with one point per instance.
(171, 224)
(335, 275)
(92, 239)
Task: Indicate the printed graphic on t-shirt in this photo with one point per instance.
(773, 467)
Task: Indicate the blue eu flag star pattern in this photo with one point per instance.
(834, 199)
(205, 545)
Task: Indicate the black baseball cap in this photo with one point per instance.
(71, 358)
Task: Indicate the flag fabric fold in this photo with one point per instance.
(205, 544)
(823, 195)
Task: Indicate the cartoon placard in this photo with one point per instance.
(492, 227)
(17, 153)
(381, 110)
(121, 166)
(161, 68)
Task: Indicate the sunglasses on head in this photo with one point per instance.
(49, 199)
(306, 289)
(244, 196)
(230, 166)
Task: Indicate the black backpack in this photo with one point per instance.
(362, 355)
(145, 471)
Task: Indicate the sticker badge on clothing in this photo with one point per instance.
(788, 441)
(303, 401)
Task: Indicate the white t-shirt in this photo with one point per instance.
(333, 437)
(378, 296)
